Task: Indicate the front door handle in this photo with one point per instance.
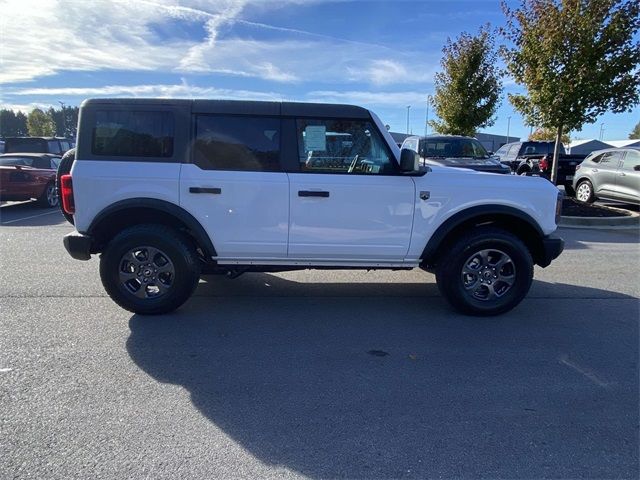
(313, 193)
(622, 174)
(213, 190)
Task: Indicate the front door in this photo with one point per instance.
(349, 204)
(628, 178)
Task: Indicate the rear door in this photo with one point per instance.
(604, 173)
(349, 204)
(235, 186)
(628, 178)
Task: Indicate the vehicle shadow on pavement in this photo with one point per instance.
(385, 381)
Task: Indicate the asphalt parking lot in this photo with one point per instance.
(316, 374)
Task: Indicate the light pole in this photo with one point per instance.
(426, 123)
(64, 119)
(601, 130)
(408, 108)
(508, 127)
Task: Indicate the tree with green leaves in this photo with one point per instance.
(12, 124)
(40, 124)
(635, 133)
(548, 134)
(576, 58)
(468, 88)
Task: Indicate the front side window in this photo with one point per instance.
(342, 146)
(631, 160)
(127, 133)
(245, 143)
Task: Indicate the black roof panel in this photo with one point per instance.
(319, 110)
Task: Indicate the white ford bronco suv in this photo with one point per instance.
(167, 190)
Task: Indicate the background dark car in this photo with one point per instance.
(454, 151)
(536, 158)
(24, 176)
(54, 145)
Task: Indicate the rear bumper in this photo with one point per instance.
(552, 247)
(78, 245)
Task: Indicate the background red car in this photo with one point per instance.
(24, 176)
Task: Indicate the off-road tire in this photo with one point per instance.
(179, 250)
(449, 270)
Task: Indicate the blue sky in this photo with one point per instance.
(379, 54)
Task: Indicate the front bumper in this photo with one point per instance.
(78, 245)
(552, 247)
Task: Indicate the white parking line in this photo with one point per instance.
(27, 218)
(564, 359)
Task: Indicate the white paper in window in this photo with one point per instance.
(315, 138)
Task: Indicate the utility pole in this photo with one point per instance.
(508, 127)
(601, 131)
(64, 119)
(426, 123)
(408, 108)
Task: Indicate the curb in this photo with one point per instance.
(627, 222)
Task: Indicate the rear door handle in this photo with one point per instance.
(213, 190)
(313, 193)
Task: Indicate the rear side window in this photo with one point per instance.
(244, 143)
(133, 134)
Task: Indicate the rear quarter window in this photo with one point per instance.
(127, 133)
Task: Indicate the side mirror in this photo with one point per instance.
(409, 160)
(637, 168)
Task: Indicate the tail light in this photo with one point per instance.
(66, 192)
(544, 164)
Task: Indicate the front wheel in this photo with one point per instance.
(487, 271)
(149, 269)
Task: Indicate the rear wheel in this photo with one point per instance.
(584, 192)
(488, 271)
(149, 269)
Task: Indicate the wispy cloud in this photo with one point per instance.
(180, 90)
(186, 90)
(121, 35)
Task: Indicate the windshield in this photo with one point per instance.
(454, 147)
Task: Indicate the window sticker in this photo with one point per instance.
(315, 138)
